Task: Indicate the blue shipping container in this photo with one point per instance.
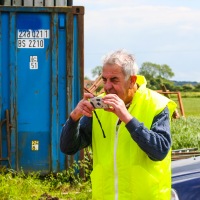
(41, 81)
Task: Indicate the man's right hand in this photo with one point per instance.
(84, 107)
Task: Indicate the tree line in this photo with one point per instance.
(158, 76)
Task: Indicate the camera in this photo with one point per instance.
(98, 103)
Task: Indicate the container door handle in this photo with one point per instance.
(8, 126)
(1, 143)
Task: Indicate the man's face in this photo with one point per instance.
(115, 83)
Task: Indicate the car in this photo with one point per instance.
(186, 179)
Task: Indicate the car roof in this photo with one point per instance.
(186, 168)
(189, 163)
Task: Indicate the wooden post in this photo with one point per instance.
(181, 104)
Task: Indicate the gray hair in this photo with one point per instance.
(123, 59)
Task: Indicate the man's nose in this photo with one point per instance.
(107, 85)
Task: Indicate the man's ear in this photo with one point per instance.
(133, 80)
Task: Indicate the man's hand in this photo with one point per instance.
(84, 107)
(118, 107)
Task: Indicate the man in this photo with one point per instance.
(132, 161)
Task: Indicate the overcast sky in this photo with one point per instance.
(161, 32)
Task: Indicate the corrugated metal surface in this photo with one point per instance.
(37, 3)
(41, 81)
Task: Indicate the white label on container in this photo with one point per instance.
(37, 34)
(33, 64)
(30, 43)
(35, 145)
(33, 59)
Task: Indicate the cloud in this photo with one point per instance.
(141, 18)
(156, 26)
(155, 31)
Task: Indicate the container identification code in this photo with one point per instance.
(32, 38)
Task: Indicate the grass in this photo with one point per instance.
(191, 106)
(20, 186)
(190, 94)
(186, 132)
(190, 101)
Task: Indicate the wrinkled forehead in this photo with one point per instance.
(112, 69)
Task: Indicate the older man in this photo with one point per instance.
(132, 161)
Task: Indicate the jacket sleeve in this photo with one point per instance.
(76, 135)
(155, 142)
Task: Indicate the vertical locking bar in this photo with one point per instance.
(1, 2)
(8, 126)
(7, 122)
(1, 141)
(69, 2)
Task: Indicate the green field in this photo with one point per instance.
(190, 101)
(186, 130)
(191, 106)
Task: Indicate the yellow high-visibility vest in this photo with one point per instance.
(121, 170)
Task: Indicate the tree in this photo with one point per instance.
(149, 70)
(197, 87)
(188, 87)
(97, 71)
(155, 74)
(152, 70)
(165, 72)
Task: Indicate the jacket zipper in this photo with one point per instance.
(115, 163)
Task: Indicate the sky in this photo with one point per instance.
(161, 32)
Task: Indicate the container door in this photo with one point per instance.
(33, 91)
(41, 76)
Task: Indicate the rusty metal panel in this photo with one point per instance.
(69, 69)
(81, 49)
